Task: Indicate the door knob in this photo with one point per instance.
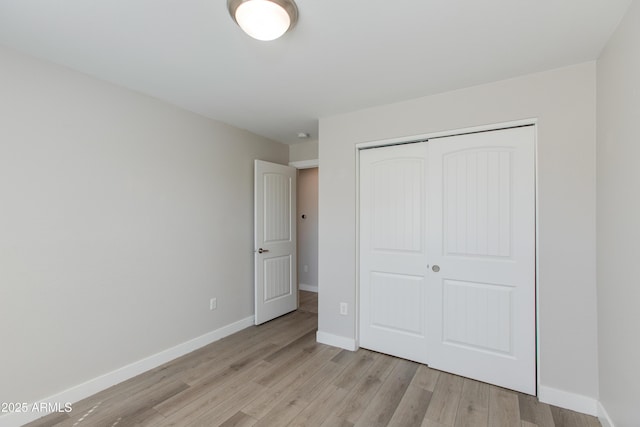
(260, 251)
(435, 268)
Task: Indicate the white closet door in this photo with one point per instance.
(447, 254)
(482, 253)
(393, 249)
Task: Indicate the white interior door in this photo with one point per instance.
(447, 250)
(393, 249)
(275, 241)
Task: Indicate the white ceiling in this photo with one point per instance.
(343, 55)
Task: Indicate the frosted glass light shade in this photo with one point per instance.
(264, 19)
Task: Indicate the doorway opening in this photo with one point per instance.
(307, 225)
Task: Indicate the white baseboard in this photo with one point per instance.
(568, 400)
(604, 417)
(95, 385)
(336, 341)
(309, 288)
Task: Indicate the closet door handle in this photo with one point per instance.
(261, 251)
(435, 268)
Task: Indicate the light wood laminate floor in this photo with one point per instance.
(277, 375)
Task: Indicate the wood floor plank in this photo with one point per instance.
(49, 421)
(349, 377)
(303, 391)
(590, 421)
(318, 410)
(312, 387)
(426, 378)
(473, 410)
(306, 323)
(265, 403)
(246, 360)
(430, 423)
(232, 398)
(237, 357)
(386, 400)
(445, 399)
(534, 411)
(207, 396)
(335, 421)
(208, 390)
(504, 408)
(134, 388)
(127, 411)
(363, 392)
(306, 340)
(224, 412)
(149, 417)
(240, 419)
(284, 366)
(567, 418)
(344, 357)
(282, 413)
(220, 353)
(412, 408)
(308, 301)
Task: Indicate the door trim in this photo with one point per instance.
(305, 164)
(451, 132)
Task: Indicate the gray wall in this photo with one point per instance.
(308, 227)
(307, 150)
(618, 228)
(563, 101)
(120, 216)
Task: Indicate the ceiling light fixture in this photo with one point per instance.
(264, 19)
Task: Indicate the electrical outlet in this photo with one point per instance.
(305, 268)
(344, 308)
(213, 303)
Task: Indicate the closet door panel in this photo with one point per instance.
(482, 222)
(393, 250)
